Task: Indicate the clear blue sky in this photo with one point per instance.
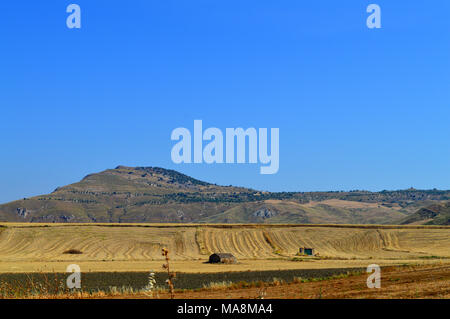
(357, 108)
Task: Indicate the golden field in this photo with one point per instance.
(137, 247)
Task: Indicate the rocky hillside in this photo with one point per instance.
(436, 214)
(153, 194)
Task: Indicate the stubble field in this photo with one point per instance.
(131, 247)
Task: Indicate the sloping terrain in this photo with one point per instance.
(143, 243)
(152, 194)
(436, 214)
(126, 194)
(278, 211)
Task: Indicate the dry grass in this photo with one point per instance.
(218, 225)
(199, 266)
(31, 247)
(345, 204)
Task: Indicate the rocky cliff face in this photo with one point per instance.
(23, 212)
(265, 213)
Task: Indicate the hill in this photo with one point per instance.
(153, 194)
(436, 214)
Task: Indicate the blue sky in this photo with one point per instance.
(357, 108)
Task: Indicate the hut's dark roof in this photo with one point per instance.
(224, 255)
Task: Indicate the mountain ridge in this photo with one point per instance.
(155, 194)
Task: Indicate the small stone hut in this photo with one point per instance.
(224, 258)
(306, 251)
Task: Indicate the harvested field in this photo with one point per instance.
(129, 247)
(199, 266)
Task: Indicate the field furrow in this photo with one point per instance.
(193, 243)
